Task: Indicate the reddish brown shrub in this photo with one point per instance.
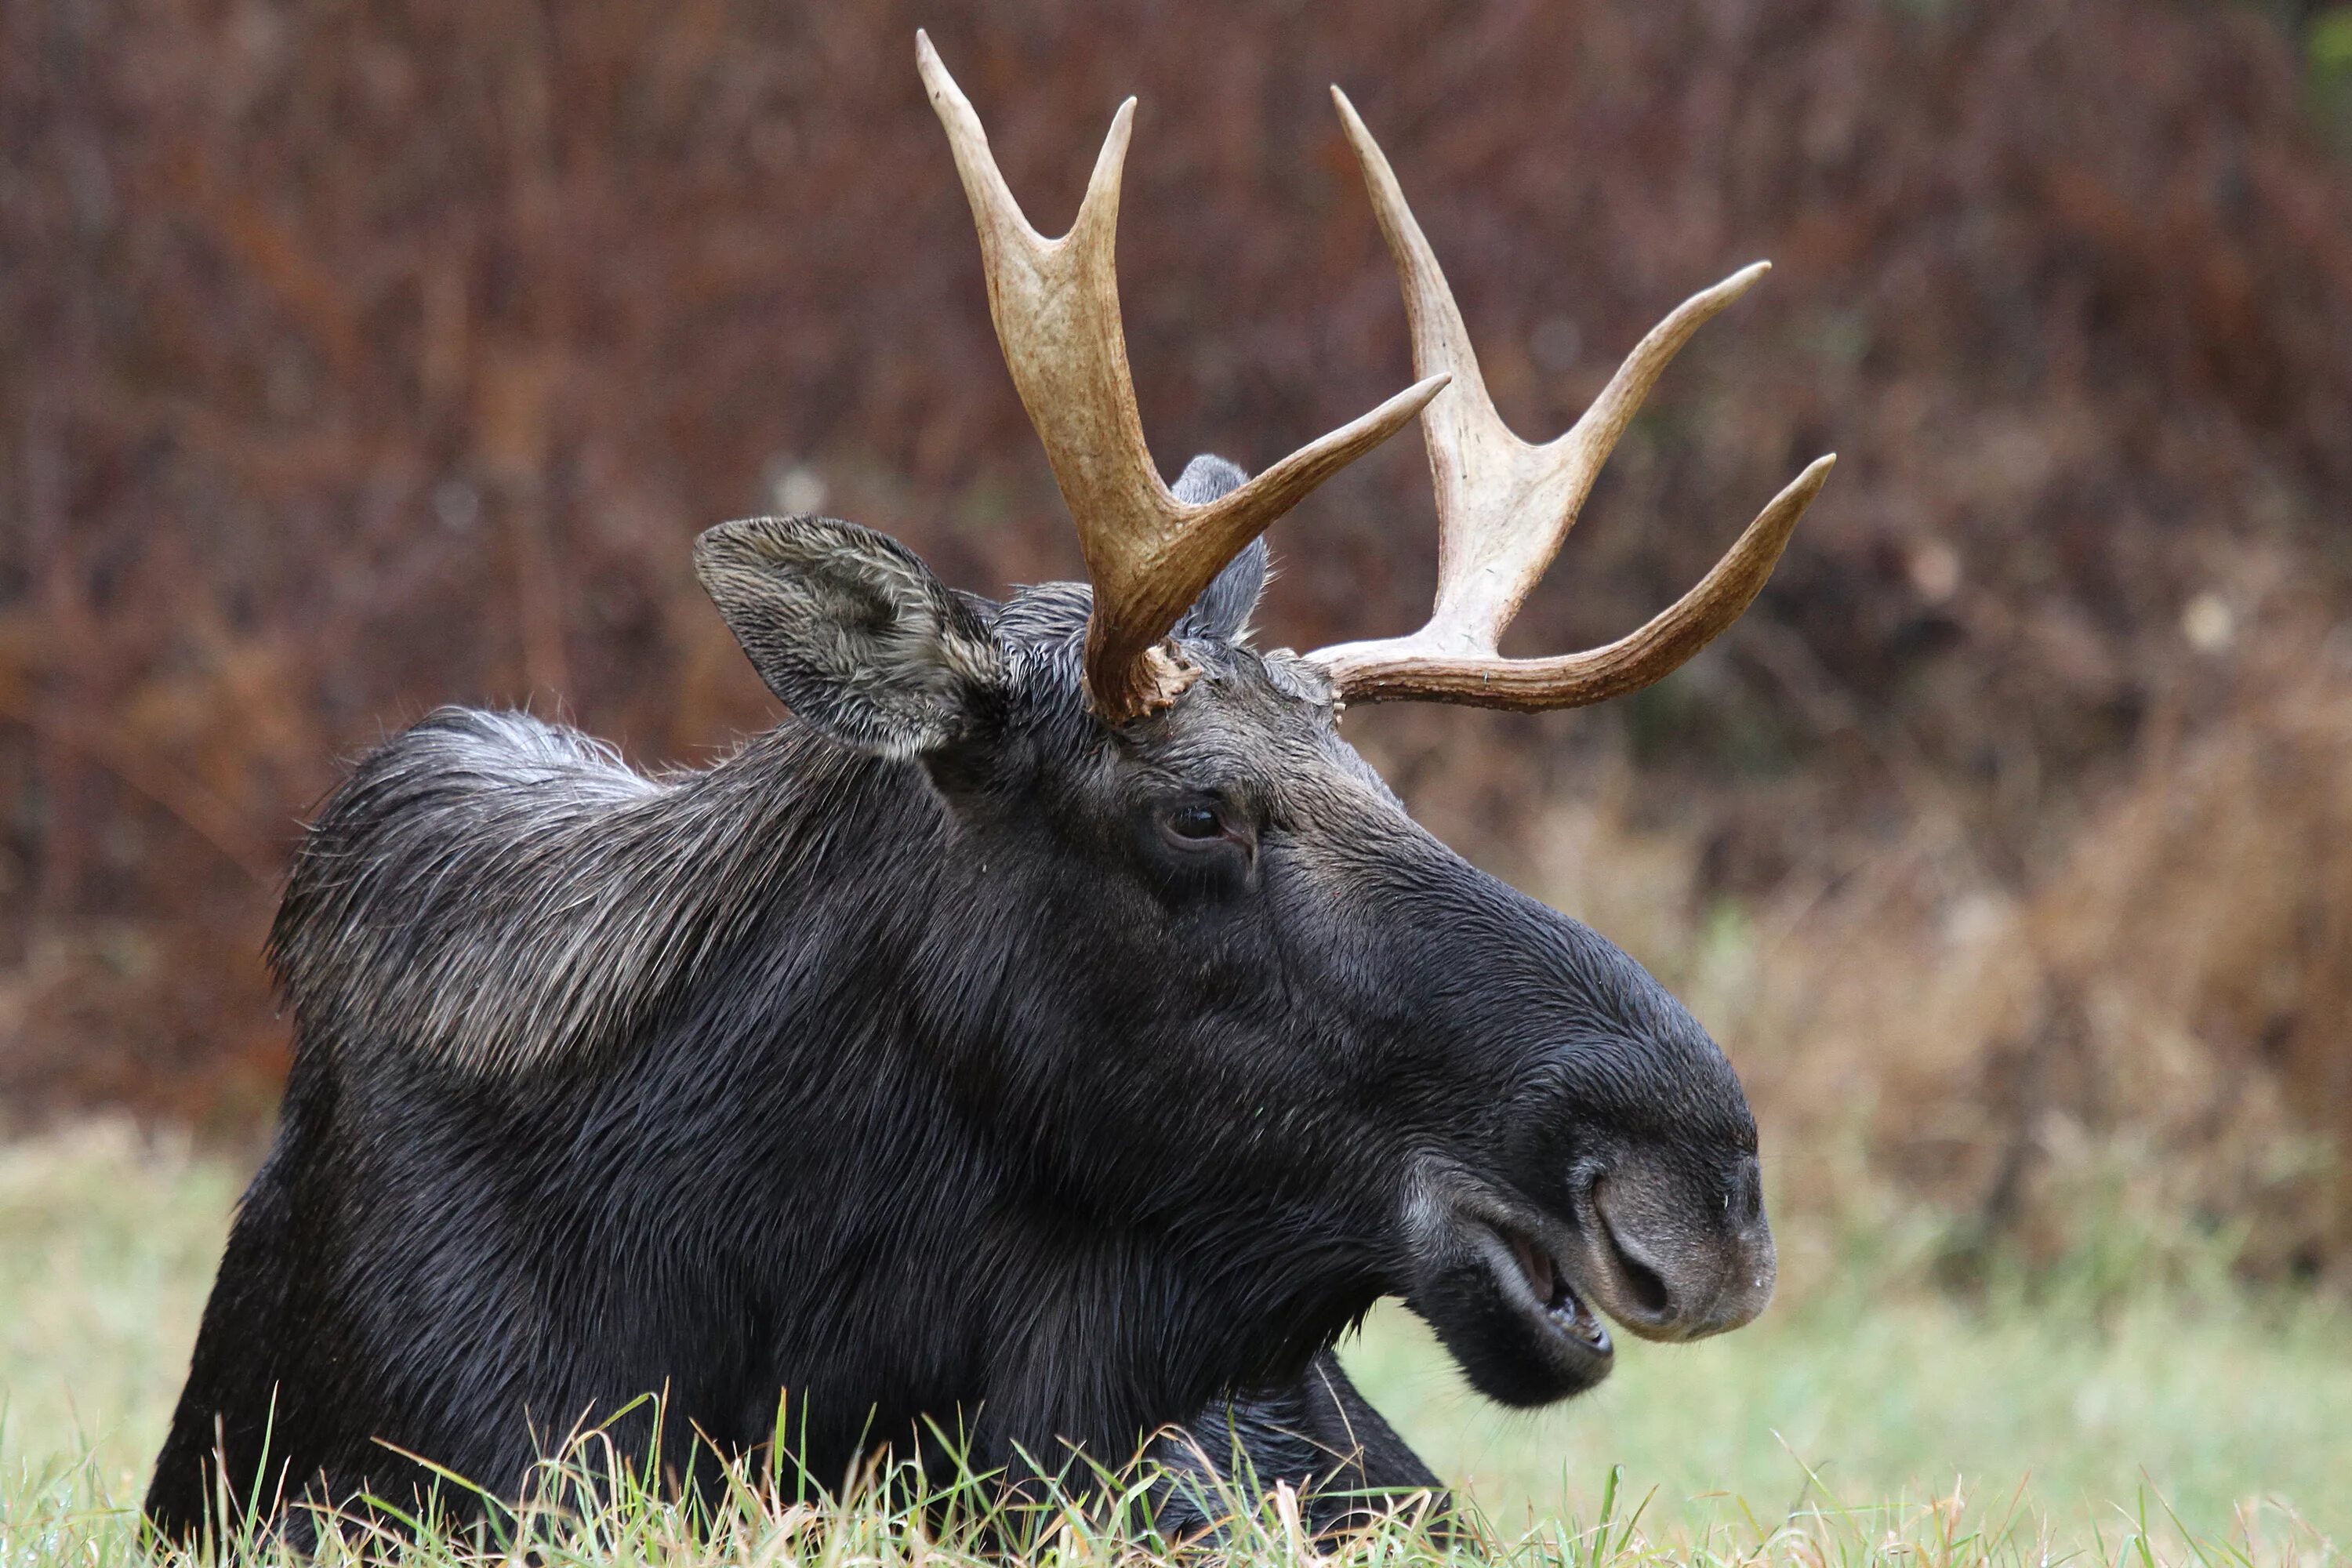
(365, 357)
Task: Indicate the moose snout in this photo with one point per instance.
(1674, 1263)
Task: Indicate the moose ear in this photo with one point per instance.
(1224, 609)
(852, 630)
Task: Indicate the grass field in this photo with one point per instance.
(1860, 1421)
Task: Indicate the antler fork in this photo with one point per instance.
(1504, 506)
(1055, 305)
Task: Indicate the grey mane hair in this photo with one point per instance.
(499, 894)
(494, 892)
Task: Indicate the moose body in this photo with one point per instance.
(921, 1096)
(1051, 1036)
(806, 1132)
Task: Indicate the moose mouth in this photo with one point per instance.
(1508, 1288)
(1556, 1304)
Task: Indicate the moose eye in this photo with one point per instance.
(1201, 844)
(1196, 822)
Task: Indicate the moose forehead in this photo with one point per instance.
(1259, 727)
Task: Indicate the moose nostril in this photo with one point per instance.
(1646, 1292)
(1642, 1282)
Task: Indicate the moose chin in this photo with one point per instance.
(1051, 1033)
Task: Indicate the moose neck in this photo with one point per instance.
(869, 994)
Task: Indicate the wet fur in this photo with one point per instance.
(928, 1085)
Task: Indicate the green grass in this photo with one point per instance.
(1917, 1397)
(1860, 1421)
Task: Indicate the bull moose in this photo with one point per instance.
(1051, 1033)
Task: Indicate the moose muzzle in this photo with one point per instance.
(1518, 1291)
(1671, 1263)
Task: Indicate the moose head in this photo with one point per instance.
(1249, 985)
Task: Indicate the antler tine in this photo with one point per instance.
(1505, 505)
(1055, 306)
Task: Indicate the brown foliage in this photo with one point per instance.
(2143, 1046)
(363, 357)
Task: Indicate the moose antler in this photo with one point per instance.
(1504, 506)
(1055, 305)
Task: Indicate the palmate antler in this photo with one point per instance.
(1055, 305)
(1504, 506)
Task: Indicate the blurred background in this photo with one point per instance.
(361, 357)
